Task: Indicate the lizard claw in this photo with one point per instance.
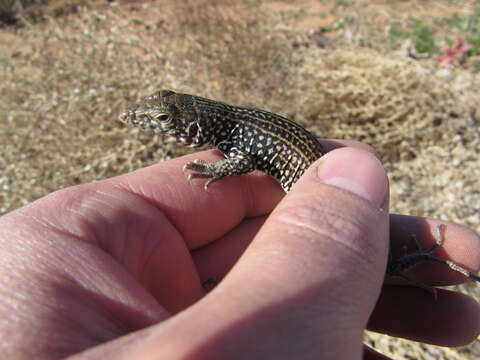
(196, 165)
(200, 171)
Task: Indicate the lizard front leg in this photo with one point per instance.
(237, 162)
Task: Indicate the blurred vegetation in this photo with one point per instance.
(429, 36)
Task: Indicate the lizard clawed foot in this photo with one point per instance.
(195, 165)
(201, 170)
(398, 267)
(439, 237)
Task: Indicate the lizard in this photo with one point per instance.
(250, 139)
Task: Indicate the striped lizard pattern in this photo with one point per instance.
(250, 139)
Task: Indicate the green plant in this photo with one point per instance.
(343, 3)
(336, 25)
(423, 36)
(469, 28)
(396, 32)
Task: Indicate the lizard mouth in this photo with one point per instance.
(144, 121)
(126, 117)
(162, 123)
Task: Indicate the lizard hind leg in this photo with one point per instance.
(439, 237)
(398, 267)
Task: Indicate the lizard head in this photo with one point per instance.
(168, 113)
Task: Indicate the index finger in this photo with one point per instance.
(201, 216)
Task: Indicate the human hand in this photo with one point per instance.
(114, 269)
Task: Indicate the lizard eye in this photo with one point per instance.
(162, 117)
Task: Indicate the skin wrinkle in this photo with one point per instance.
(128, 189)
(87, 269)
(81, 215)
(151, 253)
(47, 225)
(146, 237)
(251, 204)
(75, 206)
(150, 225)
(44, 258)
(128, 229)
(55, 280)
(357, 228)
(328, 238)
(171, 179)
(77, 287)
(292, 219)
(102, 227)
(246, 210)
(86, 211)
(74, 289)
(51, 228)
(248, 192)
(132, 235)
(137, 190)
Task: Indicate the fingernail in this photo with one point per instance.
(357, 171)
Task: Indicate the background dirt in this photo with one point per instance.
(330, 65)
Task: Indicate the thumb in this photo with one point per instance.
(308, 282)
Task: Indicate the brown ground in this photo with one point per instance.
(65, 79)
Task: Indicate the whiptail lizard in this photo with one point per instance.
(250, 139)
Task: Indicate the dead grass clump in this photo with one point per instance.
(396, 105)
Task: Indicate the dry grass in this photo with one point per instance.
(65, 79)
(73, 76)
